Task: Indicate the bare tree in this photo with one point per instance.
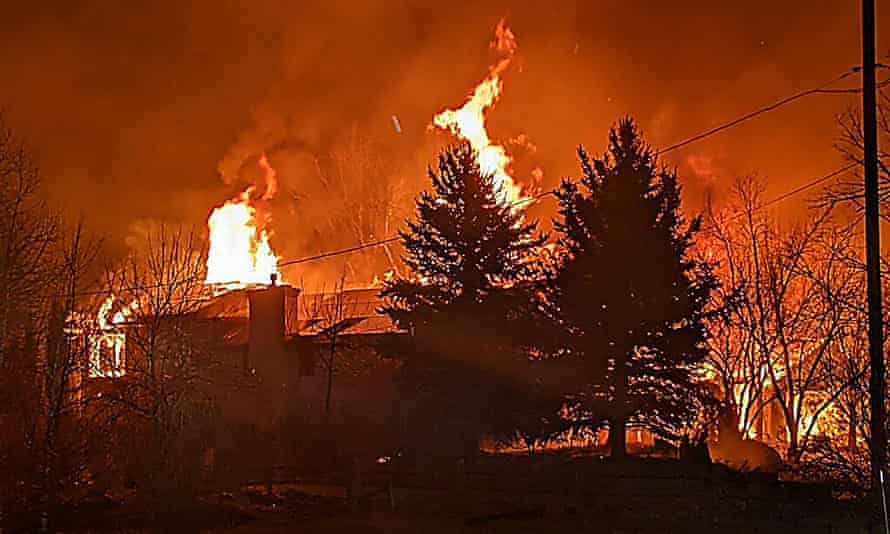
(42, 269)
(732, 349)
(850, 462)
(332, 314)
(63, 366)
(28, 231)
(844, 459)
(851, 146)
(779, 346)
(365, 200)
(168, 352)
(49, 430)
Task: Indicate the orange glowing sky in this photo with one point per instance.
(135, 110)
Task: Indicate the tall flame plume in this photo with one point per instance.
(468, 121)
(240, 253)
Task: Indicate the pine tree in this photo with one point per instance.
(469, 302)
(463, 248)
(627, 290)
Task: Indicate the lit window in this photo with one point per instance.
(107, 356)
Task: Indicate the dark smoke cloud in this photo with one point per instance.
(159, 110)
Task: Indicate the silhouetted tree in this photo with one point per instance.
(464, 245)
(788, 350)
(28, 231)
(43, 428)
(332, 315)
(66, 414)
(470, 302)
(627, 291)
(169, 360)
(527, 411)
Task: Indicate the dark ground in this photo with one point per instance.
(505, 494)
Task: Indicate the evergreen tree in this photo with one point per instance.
(464, 245)
(470, 302)
(627, 290)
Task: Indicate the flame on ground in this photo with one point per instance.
(468, 121)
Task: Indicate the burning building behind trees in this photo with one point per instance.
(266, 348)
(210, 336)
(479, 332)
(787, 356)
(223, 374)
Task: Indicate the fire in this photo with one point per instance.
(468, 121)
(107, 345)
(240, 253)
(271, 179)
(388, 276)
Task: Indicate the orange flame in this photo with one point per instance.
(271, 179)
(107, 346)
(240, 253)
(468, 121)
(388, 276)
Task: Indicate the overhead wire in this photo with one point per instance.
(822, 89)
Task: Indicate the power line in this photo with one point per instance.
(776, 200)
(810, 184)
(338, 252)
(391, 239)
(109, 291)
(519, 202)
(822, 89)
(298, 261)
(788, 194)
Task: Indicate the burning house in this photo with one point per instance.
(280, 359)
(280, 369)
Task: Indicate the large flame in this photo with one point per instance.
(468, 121)
(240, 253)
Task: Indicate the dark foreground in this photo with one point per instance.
(506, 494)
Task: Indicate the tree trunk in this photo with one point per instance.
(618, 419)
(617, 438)
(793, 455)
(327, 402)
(794, 452)
(49, 476)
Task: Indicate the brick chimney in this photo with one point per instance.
(270, 310)
(266, 317)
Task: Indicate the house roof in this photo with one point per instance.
(352, 312)
(355, 311)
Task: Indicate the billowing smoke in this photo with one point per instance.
(161, 111)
